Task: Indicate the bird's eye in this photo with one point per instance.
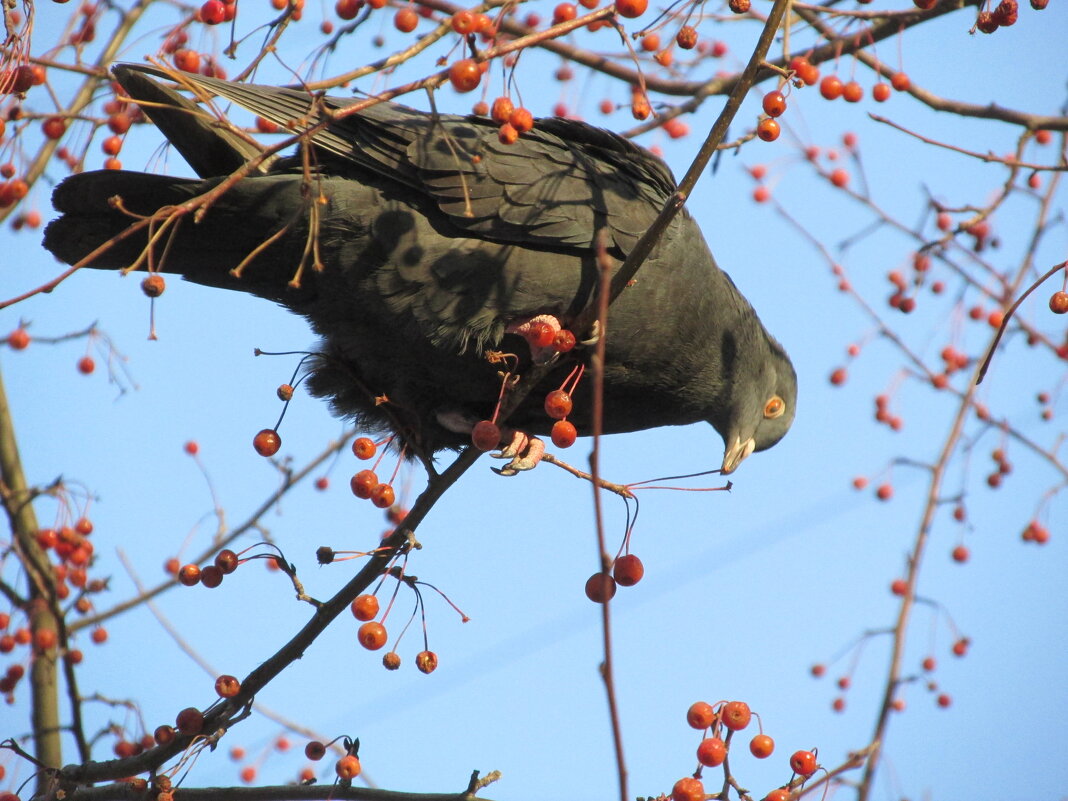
(774, 407)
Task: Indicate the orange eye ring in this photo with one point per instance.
(774, 407)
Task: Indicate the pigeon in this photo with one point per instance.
(422, 249)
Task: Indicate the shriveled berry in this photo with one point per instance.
(426, 661)
(391, 660)
(153, 285)
(315, 750)
(226, 560)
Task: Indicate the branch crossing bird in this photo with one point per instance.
(418, 246)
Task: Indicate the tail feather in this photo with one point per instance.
(97, 207)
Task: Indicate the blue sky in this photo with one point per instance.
(742, 592)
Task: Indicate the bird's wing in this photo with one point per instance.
(556, 187)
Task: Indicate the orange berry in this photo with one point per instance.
(700, 715)
(267, 442)
(372, 636)
(465, 75)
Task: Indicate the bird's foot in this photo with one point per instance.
(524, 451)
(539, 331)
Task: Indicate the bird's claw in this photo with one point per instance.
(525, 453)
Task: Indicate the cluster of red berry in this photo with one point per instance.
(211, 576)
(365, 483)
(718, 724)
(372, 635)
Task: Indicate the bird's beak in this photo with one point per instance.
(736, 453)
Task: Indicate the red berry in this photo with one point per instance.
(761, 746)
(267, 442)
(405, 20)
(463, 22)
(944, 700)
(840, 177)
(486, 435)
(558, 404)
(1058, 302)
(774, 103)
(803, 763)
(831, 87)
(383, 496)
(563, 434)
(363, 484)
(507, 134)
(364, 448)
(628, 570)
(700, 715)
(565, 12)
(521, 119)
(212, 12)
(163, 735)
(348, 767)
(899, 587)
(885, 492)
(227, 686)
(563, 341)
(880, 92)
(54, 127)
(86, 365)
(315, 750)
(688, 788)
(960, 554)
(189, 721)
(372, 635)
(631, 8)
(365, 607)
(736, 715)
(189, 575)
(211, 577)
(711, 752)
(600, 588)
(929, 664)
(226, 560)
(19, 339)
(768, 129)
(853, 92)
(465, 75)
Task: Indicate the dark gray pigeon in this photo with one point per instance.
(437, 241)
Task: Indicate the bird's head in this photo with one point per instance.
(762, 408)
